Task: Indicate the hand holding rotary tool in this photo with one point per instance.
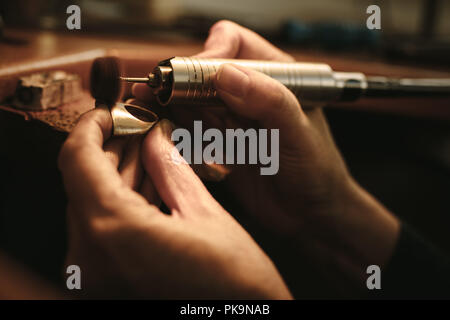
(190, 81)
(184, 80)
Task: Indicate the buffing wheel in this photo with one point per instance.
(106, 86)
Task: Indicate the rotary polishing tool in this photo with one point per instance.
(190, 81)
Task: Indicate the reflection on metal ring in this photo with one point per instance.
(129, 119)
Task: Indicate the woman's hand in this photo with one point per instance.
(313, 197)
(126, 247)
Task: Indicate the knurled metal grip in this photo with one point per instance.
(191, 80)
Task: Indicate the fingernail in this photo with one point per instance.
(166, 127)
(232, 80)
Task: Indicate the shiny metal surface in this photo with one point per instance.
(313, 84)
(130, 119)
(184, 80)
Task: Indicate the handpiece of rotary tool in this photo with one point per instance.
(190, 81)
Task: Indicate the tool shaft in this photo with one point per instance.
(380, 87)
(184, 80)
(135, 80)
(313, 84)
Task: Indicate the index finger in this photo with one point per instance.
(87, 173)
(229, 40)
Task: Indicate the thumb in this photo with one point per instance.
(256, 96)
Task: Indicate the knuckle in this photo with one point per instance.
(86, 116)
(222, 24)
(97, 116)
(224, 36)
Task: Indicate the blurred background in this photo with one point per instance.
(416, 30)
(403, 158)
